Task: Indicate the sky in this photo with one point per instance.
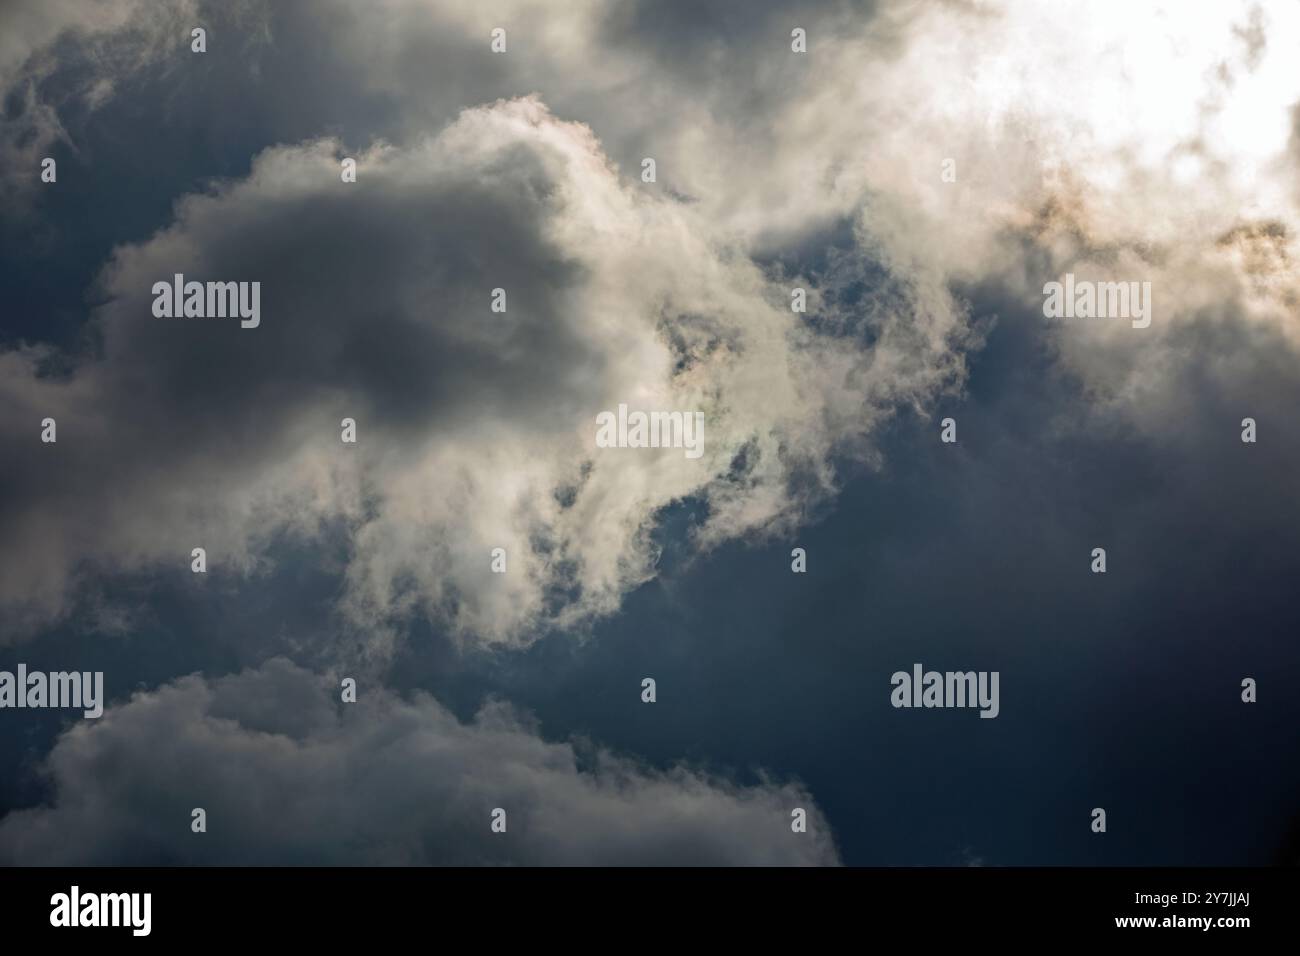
(921, 171)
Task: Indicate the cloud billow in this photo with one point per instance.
(287, 775)
(477, 427)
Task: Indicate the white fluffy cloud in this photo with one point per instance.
(1118, 142)
(288, 775)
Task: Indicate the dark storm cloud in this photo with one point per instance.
(289, 776)
(379, 292)
(375, 300)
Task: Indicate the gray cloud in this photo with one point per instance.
(289, 776)
(477, 427)
(61, 56)
(1148, 143)
(628, 292)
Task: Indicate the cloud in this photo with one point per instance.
(289, 776)
(1118, 143)
(1135, 144)
(60, 56)
(477, 428)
